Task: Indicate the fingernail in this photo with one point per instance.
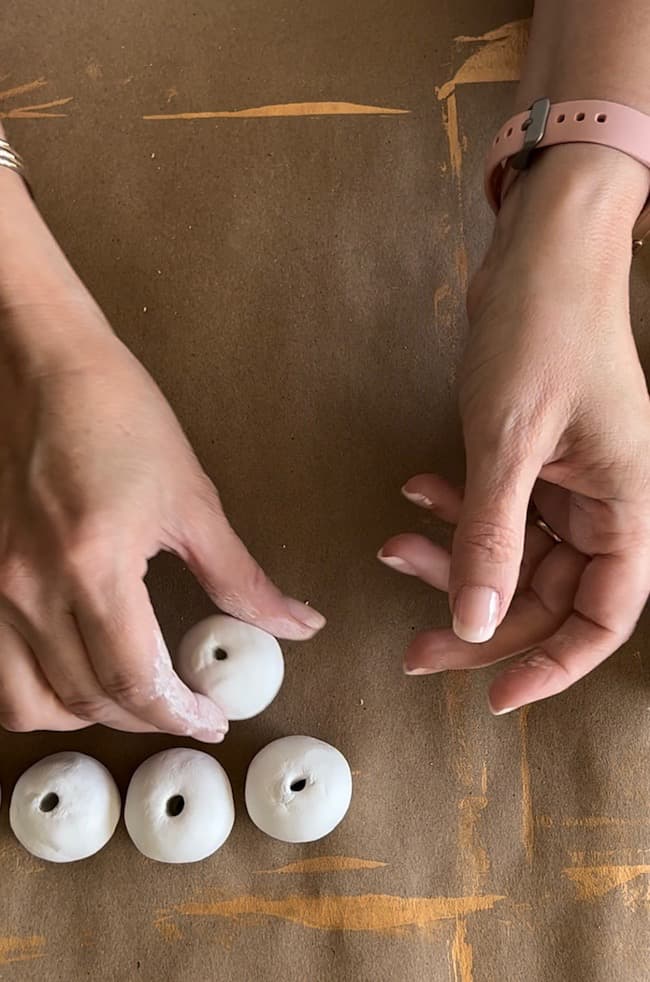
(502, 712)
(418, 671)
(417, 498)
(396, 563)
(306, 615)
(209, 736)
(475, 614)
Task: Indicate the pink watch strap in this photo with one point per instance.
(544, 125)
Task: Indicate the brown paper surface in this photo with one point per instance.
(294, 281)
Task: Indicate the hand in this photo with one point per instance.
(554, 406)
(96, 477)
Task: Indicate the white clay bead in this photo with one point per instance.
(298, 789)
(237, 665)
(65, 807)
(179, 806)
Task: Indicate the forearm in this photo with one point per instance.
(31, 263)
(35, 277)
(588, 49)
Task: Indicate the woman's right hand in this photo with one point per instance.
(96, 477)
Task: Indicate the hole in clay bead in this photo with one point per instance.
(601, 118)
(220, 654)
(580, 117)
(175, 805)
(561, 118)
(49, 802)
(298, 785)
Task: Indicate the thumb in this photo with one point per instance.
(489, 542)
(233, 579)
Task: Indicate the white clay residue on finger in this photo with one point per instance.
(179, 806)
(237, 665)
(65, 807)
(298, 789)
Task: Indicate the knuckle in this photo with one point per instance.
(496, 543)
(14, 583)
(128, 689)
(91, 708)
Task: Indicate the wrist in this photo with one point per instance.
(32, 265)
(582, 197)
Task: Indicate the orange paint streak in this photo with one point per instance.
(442, 293)
(593, 882)
(462, 958)
(15, 949)
(450, 124)
(456, 686)
(498, 60)
(376, 913)
(473, 853)
(462, 267)
(169, 931)
(290, 109)
(527, 814)
(36, 112)
(38, 83)
(590, 822)
(326, 864)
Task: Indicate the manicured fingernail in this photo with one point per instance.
(396, 563)
(418, 671)
(475, 614)
(502, 712)
(306, 615)
(417, 498)
(209, 736)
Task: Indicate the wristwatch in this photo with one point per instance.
(609, 124)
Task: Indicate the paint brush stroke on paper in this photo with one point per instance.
(326, 864)
(498, 60)
(15, 949)
(462, 957)
(40, 110)
(375, 913)
(290, 109)
(593, 882)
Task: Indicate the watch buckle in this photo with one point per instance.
(535, 128)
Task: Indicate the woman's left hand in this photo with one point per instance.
(555, 410)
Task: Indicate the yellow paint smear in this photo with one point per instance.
(527, 814)
(589, 822)
(15, 949)
(456, 691)
(462, 958)
(377, 913)
(326, 864)
(593, 882)
(498, 60)
(38, 83)
(168, 930)
(37, 111)
(443, 292)
(290, 109)
(450, 123)
(474, 854)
